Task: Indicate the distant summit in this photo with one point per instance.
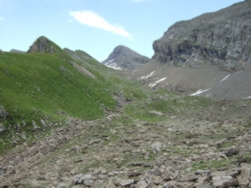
(44, 45)
(123, 58)
(78, 55)
(17, 51)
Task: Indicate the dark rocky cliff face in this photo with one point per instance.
(125, 58)
(222, 38)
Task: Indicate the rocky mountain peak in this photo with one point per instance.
(220, 38)
(44, 45)
(208, 55)
(123, 58)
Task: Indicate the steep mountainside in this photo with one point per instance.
(221, 38)
(123, 58)
(39, 89)
(197, 54)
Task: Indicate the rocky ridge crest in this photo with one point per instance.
(44, 45)
(220, 38)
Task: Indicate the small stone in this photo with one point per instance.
(43, 123)
(35, 127)
(156, 146)
(111, 174)
(77, 177)
(125, 182)
(88, 182)
(169, 184)
(201, 172)
(2, 128)
(219, 173)
(142, 184)
(204, 186)
(244, 177)
(61, 185)
(157, 180)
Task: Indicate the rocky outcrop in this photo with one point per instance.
(44, 45)
(123, 58)
(221, 38)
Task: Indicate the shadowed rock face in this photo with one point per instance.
(125, 58)
(44, 45)
(221, 38)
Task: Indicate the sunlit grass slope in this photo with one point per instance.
(41, 86)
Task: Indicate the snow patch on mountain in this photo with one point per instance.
(148, 76)
(113, 65)
(155, 83)
(199, 92)
(225, 78)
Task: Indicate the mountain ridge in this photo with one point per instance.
(197, 54)
(123, 58)
(218, 38)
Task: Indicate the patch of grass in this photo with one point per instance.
(42, 86)
(165, 103)
(205, 165)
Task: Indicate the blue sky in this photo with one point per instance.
(96, 26)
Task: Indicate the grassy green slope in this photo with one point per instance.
(131, 89)
(37, 86)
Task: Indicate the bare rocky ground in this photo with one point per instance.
(119, 151)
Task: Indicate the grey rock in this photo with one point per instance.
(102, 176)
(82, 179)
(3, 113)
(77, 177)
(2, 128)
(35, 127)
(156, 113)
(88, 182)
(61, 185)
(220, 181)
(244, 177)
(219, 173)
(202, 172)
(125, 182)
(156, 146)
(43, 123)
(169, 184)
(142, 184)
(157, 180)
(204, 186)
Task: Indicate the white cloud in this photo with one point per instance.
(94, 20)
